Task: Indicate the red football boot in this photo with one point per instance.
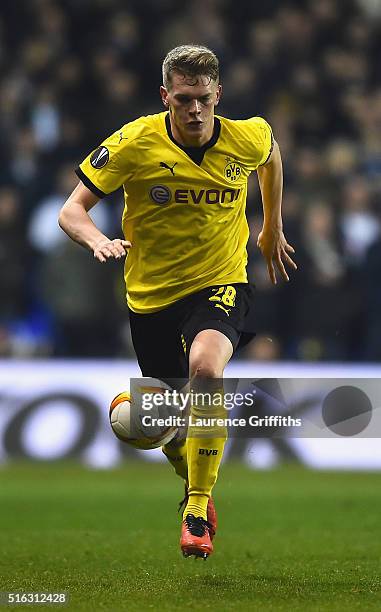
(211, 513)
(195, 538)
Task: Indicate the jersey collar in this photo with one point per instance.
(195, 153)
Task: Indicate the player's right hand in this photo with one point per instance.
(111, 249)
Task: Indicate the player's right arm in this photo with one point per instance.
(78, 225)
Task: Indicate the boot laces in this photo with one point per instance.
(196, 525)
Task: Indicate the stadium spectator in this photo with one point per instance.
(13, 256)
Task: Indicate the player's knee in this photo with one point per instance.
(204, 367)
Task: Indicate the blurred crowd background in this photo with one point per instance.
(74, 71)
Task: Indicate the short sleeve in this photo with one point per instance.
(110, 165)
(262, 140)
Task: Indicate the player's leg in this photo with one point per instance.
(209, 354)
(176, 453)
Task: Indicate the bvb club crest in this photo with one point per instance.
(232, 170)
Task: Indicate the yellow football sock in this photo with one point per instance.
(205, 447)
(177, 457)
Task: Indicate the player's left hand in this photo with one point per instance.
(275, 248)
(111, 249)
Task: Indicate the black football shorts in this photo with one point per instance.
(162, 339)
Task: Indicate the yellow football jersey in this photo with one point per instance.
(185, 219)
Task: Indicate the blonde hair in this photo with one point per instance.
(190, 61)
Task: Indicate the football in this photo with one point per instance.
(127, 417)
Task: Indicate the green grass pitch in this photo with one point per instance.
(288, 539)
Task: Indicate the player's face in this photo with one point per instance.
(191, 101)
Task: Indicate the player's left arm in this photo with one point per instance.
(271, 240)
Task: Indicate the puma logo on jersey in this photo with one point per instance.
(207, 451)
(170, 168)
(227, 310)
(121, 137)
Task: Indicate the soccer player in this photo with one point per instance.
(184, 174)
